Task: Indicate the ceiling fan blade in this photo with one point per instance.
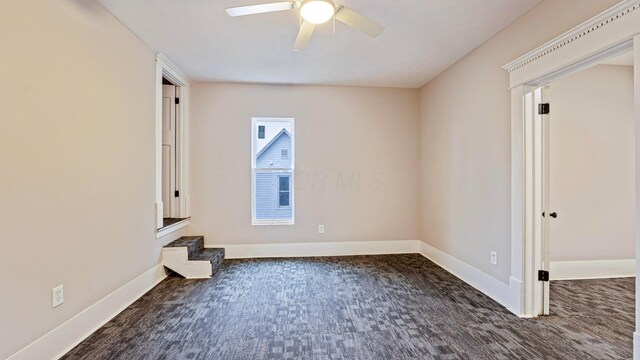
(261, 8)
(304, 35)
(359, 22)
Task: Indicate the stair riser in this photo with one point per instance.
(200, 244)
(216, 263)
(195, 247)
(188, 257)
(175, 260)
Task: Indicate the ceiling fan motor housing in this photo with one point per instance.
(317, 11)
(314, 12)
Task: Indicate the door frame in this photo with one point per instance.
(612, 32)
(607, 34)
(165, 68)
(534, 254)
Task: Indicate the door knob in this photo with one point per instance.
(554, 215)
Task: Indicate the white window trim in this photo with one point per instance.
(292, 202)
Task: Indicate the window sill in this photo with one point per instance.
(272, 222)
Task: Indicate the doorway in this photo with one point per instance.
(586, 155)
(582, 153)
(608, 34)
(170, 188)
(172, 209)
(585, 151)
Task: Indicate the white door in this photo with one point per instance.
(168, 150)
(545, 214)
(548, 211)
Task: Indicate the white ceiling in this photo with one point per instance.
(422, 38)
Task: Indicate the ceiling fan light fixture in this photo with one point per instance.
(317, 11)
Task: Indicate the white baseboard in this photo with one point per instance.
(516, 296)
(592, 269)
(60, 340)
(490, 286)
(319, 249)
(63, 338)
(636, 345)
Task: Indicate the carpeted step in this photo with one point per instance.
(195, 252)
(194, 244)
(215, 256)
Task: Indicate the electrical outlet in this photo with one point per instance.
(320, 229)
(57, 296)
(494, 258)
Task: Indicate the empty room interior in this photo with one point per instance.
(320, 179)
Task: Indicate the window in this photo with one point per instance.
(283, 191)
(272, 165)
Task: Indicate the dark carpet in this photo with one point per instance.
(365, 307)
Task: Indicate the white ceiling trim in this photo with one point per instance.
(605, 18)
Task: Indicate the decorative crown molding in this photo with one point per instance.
(597, 22)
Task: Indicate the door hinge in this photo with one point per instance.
(176, 193)
(543, 109)
(177, 101)
(543, 275)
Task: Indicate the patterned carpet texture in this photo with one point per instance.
(364, 307)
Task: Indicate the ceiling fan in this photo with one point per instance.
(313, 12)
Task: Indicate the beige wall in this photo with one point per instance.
(592, 174)
(77, 141)
(367, 135)
(465, 139)
(77, 135)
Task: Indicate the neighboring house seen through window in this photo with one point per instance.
(272, 141)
